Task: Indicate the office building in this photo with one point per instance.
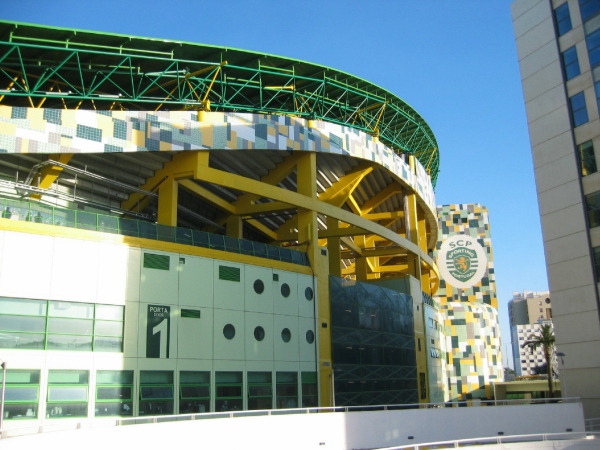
(557, 46)
(190, 228)
(527, 312)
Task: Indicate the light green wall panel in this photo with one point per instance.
(254, 301)
(228, 294)
(288, 282)
(159, 286)
(259, 350)
(306, 308)
(196, 282)
(286, 351)
(232, 349)
(195, 336)
(307, 350)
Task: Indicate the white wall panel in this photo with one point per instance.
(228, 294)
(196, 282)
(233, 349)
(286, 351)
(262, 302)
(74, 270)
(157, 285)
(113, 263)
(195, 336)
(307, 350)
(26, 269)
(306, 308)
(259, 350)
(283, 305)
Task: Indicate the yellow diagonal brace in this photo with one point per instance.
(259, 208)
(185, 164)
(381, 197)
(207, 195)
(338, 193)
(391, 215)
(50, 173)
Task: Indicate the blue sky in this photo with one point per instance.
(454, 61)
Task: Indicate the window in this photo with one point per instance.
(156, 392)
(67, 394)
(592, 202)
(194, 392)
(260, 390)
(563, 19)
(588, 8)
(21, 393)
(54, 325)
(587, 158)
(571, 63)
(578, 109)
(309, 389)
(597, 262)
(114, 393)
(229, 391)
(593, 44)
(287, 390)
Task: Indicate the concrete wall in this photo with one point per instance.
(354, 430)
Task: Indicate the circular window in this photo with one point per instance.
(286, 335)
(259, 333)
(285, 290)
(547, 300)
(310, 336)
(229, 331)
(259, 286)
(308, 293)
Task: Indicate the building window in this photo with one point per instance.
(114, 393)
(287, 390)
(67, 394)
(563, 19)
(260, 390)
(54, 325)
(578, 109)
(587, 158)
(309, 389)
(571, 63)
(592, 202)
(156, 392)
(588, 8)
(593, 44)
(194, 392)
(229, 391)
(21, 394)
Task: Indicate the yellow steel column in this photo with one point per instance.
(425, 279)
(361, 262)
(414, 264)
(308, 234)
(50, 173)
(334, 251)
(167, 202)
(234, 226)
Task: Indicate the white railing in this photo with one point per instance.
(65, 424)
(592, 424)
(495, 440)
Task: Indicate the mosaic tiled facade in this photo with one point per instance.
(474, 353)
(472, 220)
(474, 350)
(39, 130)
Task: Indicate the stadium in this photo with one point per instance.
(190, 228)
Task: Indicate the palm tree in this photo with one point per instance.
(544, 339)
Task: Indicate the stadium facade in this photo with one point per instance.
(190, 228)
(557, 47)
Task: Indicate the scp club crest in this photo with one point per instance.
(462, 261)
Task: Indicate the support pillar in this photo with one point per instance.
(167, 202)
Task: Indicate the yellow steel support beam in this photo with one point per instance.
(235, 227)
(338, 193)
(391, 215)
(381, 197)
(185, 164)
(259, 208)
(339, 232)
(167, 203)
(50, 173)
(207, 195)
(334, 247)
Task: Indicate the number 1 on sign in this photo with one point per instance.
(162, 329)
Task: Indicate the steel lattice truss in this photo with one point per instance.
(62, 68)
